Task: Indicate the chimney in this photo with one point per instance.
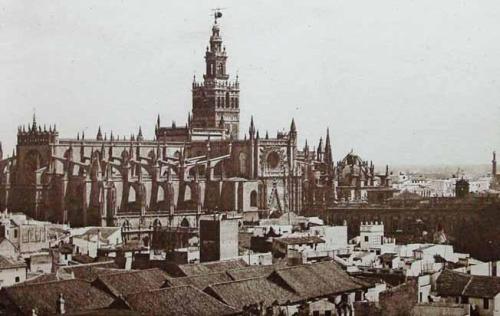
(60, 305)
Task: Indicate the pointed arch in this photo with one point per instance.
(253, 198)
(185, 222)
(132, 195)
(243, 157)
(161, 194)
(187, 193)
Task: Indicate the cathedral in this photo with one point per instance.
(202, 167)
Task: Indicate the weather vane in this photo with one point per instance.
(217, 13)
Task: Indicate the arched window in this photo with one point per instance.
(161, 194)
(227, 99)
(126, 224)
(132, 194)
(243, 163)
(157, 224)
(187, 193)
(253, 198)
(185, 222)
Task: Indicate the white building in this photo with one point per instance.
(93, 238)
(12, 271)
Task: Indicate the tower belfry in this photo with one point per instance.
(217, 98)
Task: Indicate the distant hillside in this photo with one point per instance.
(444, 171)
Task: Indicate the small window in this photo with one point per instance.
(486, 303)
(366, 238)
(316, 313)
(65, 256)
(358, 296)
(17, 279)
(420, 297)
(328, 313)
(15, 233)
(465, 300)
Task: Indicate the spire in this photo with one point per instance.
(328, 148)
(293, 129)
(1, 151)
(189, 118)
(494, 165)
(157, 125)
(99, 134)
(33, 126)
(267, 135)
(251, 130)
(140, 138)
(319, 151)
(215, 55)
(257, 136)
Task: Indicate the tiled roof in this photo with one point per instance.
(251, 272)
(9, 263)
(251, 291)
(452, 283)
(300, 240)
(210, 267)
(177, 301)
(316, 280)
(106, 312)
(483, 286)
(89, 272)
(42, 278)
(199, 281)
(79, 295)
(94, 231)
(132, 281)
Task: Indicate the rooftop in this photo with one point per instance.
(317, 280)
(79, 295)
(210, 267)
(10, 263)
(250, 291)
(132, 281)
(452, 283)
(300, 240)
(178, 301)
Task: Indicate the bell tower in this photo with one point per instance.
(216, 99)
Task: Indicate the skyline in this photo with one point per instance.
(375, 88)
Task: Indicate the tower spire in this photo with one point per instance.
(139, 135)
(328, 148)
(251, 130)
(99, 134)
(494, 165)
(33, 126)
(319, 152)
(216, 99)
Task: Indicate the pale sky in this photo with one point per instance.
(399, 81)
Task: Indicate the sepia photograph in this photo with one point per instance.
(254, 158)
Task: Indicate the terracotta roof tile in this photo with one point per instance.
(178, 301)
